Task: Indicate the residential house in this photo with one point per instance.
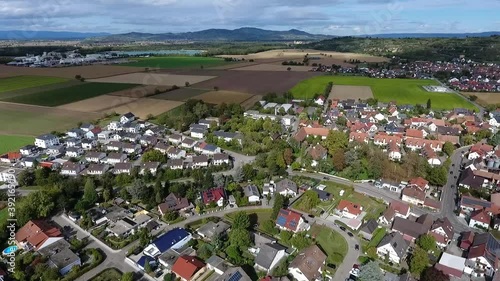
(220, 159)
(413, 196)
(208, 149)
(122, 168)
(86, 127)
(286, 187)
(60, 256)
(215, 195)
(104, 135)
(269, 256)
(128, 225)
(130, 148)
(188, 143)
(76, 133)
(480, 150)
(382, 139)
(175, 153)
(419, 183)
(56, 150)
(148, 140)
(451, 265)
(173, 203)
(212, 229)
(72, 169)
(347, 209)
(252, 193)
(368, 229)
(151, 167)
(132, 127)
(89, 144)
(175, 164)
(162, 147)
(291, 221)
(28, 150)
(93, 134)
(47, 140)
(155, 131)
(480, 219)
(417, 144)
(228, 136)
(395, 209)
(114, 158)
(308, 264)
(114, 146)
(200, 161)
(36, 235)
(320, 100)
(10, 157)
(394, 152)
(304, 132)
(97, 169)
(73, 142)
(411, 230)
(127, 117)
(188, 268)
(74, 151)
(175, 139)
(94, 156)
(317, 153)
(359, 137)
(484, 254)
(392, 246)
(198, 133)
(442, 231)
(232, 274)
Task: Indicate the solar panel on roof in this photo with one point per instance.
(470, 201)
(281, 221)
(236, 276)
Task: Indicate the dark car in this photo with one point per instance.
(342, 228)
(311, 216)
(452, 186)
(451, 172)
(454, 177)
(350, 234)
(326, 178)
(356, 247)
(453, 165)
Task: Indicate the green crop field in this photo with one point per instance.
(24, 82)
(177, 62)
(71, 94)
(403, 91)
(13, 143)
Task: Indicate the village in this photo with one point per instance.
(197, 205)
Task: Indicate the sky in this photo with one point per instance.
(332, 17)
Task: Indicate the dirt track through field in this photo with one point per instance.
(343, 92)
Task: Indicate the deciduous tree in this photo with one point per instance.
(419, 261)
(427, 242)
(370, 272)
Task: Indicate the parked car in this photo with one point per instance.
(342, 228)
(311, 216)
(350, 234)
(356, 247)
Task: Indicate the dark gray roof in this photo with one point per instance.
(251, 190)
(286, 183)
(223, 134)
(59, 254)
(323, 195)
(408, 227)
(370, 226)
(46, 137)
(211, 229)
(267, 253)
(397, 242)
(233, 274)
(468, 178)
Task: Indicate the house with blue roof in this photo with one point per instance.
(141, 263)
(174, 239)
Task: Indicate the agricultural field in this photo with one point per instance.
(181, 94)
(274, 67)
(350, 92)
(288, 54)
(87, 71)
(177, 62)
(251, 82)
(324, 236)
(483, 98)
(98, 104)
(70, 94)
(157, 79)
(140, 91)
(219, 97)
(24, 82)
(146, 106)
(21, 119)
(12, 143)
(403, 91)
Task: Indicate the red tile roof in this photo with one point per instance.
(359, 137)
(400, 207)
(480, 216)
(288, 219)
(419, 182)
(186, 266)
(213, 195)
(351, 208)
(36, 233)
(414, 193)
(303, 133)
(414, 133)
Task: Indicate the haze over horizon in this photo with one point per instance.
(330, 17)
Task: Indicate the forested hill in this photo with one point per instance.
(476, 48)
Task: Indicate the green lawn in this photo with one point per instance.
(23, 82)
(109, 274)
(70, 94)
(3, 215)
(256, 216)
(13, 143)
(177, 62)
(371, 206)
(403, 91)
(331, 242)
(378, 235)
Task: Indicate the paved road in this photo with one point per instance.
(450, 195)
(481, 109)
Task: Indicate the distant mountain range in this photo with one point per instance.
(47, 35)
(433, 35)
(240, 34)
